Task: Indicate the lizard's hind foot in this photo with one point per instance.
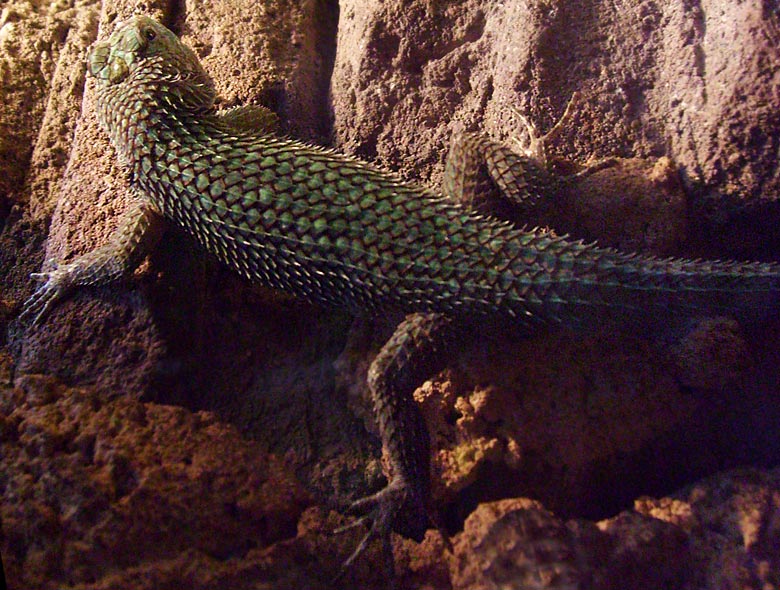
(397, 507)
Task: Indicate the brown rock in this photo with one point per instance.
(633, 205)
(720, 533)
(555, 418)
(731, 523)
(516, 543)
(94, 487)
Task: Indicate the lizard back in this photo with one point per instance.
(336, 230)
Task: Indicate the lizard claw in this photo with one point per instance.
(55, 284)
(398, 506)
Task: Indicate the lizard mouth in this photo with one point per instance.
(110, 60)
(97, 61)
(107, 64)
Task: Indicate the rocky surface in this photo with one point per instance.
(189, 430)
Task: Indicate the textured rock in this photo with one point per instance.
(111, 474)
(93, 487)
(720, 533)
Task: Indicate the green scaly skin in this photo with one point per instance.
(334, 230)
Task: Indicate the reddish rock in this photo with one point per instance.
(92, 488)
(719, 533)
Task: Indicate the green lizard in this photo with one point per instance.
(334, 230)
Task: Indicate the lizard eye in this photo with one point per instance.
(150, 34)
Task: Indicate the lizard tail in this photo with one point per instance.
(559, 280)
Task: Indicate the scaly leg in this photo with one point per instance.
(420, 345)
(418, 349)
(137, 234)
(476, 163)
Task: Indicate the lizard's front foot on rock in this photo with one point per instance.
(54, 285)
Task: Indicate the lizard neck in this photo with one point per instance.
(135, 111)
(128, 115)
(144, 130)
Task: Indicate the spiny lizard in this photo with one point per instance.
(338, 231)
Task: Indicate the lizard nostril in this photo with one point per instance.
(97, 57)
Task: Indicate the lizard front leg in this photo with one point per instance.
(138, 232)
(249, 119)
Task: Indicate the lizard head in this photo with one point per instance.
(144, 54)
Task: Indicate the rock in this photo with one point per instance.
(93, 487)
(719, 533)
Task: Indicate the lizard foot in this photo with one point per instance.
(396, 507)
(54, 285)
(537, 144)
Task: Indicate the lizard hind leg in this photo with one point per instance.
(417, 350)
(478, 169)
(485, 175)
(536, 148)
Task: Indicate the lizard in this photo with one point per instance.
(334, 230)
